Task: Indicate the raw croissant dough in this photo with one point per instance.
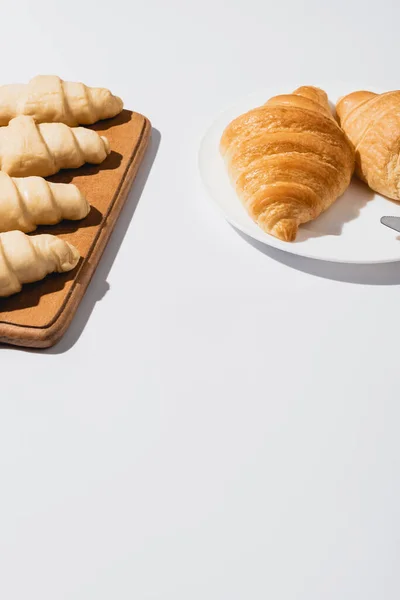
(48, 99)
(288, 159)
(372, 122)
(26, 202)
(24, 259)
(27, 148)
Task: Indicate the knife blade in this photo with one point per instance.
(392, 222)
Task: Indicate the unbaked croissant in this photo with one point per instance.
(27, 148)
(288, 159)
(24, 259)
(47, 99)
(26, 202)
(372, 123)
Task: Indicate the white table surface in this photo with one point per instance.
(219, 423)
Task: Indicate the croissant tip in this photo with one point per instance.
(106, 144)
(119, 103)
(72, 259)
(285, 230)
(84, 206)
(87, 207)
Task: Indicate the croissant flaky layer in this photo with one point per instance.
(288, 159)
(28, 148)
(48, 99)
(24, 259)
(26, 202)
(372, 123)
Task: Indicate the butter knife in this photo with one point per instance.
(392, 222)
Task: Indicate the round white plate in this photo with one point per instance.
(349, 231)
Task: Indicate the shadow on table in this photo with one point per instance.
(369, 274)
(99, 286)
(343, 210)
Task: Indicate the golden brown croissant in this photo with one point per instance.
(26, 202)
(49, 99)
(372, 123)
(24, 259)
(27, 148)
(288, 159)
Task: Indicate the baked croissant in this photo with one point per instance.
(288, 159)
(24, 259)
(26, 202)
(47, 99)
(27, 148)
(372, 123)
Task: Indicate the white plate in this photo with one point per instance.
(349, 231)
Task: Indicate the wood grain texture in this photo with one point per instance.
(39, 315)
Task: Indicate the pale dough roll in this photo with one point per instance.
(24, 259)
(48, 99)
(26, 202)
(28, 148)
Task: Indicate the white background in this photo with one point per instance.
(219, 423)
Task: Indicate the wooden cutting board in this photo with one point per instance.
(40, 314)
